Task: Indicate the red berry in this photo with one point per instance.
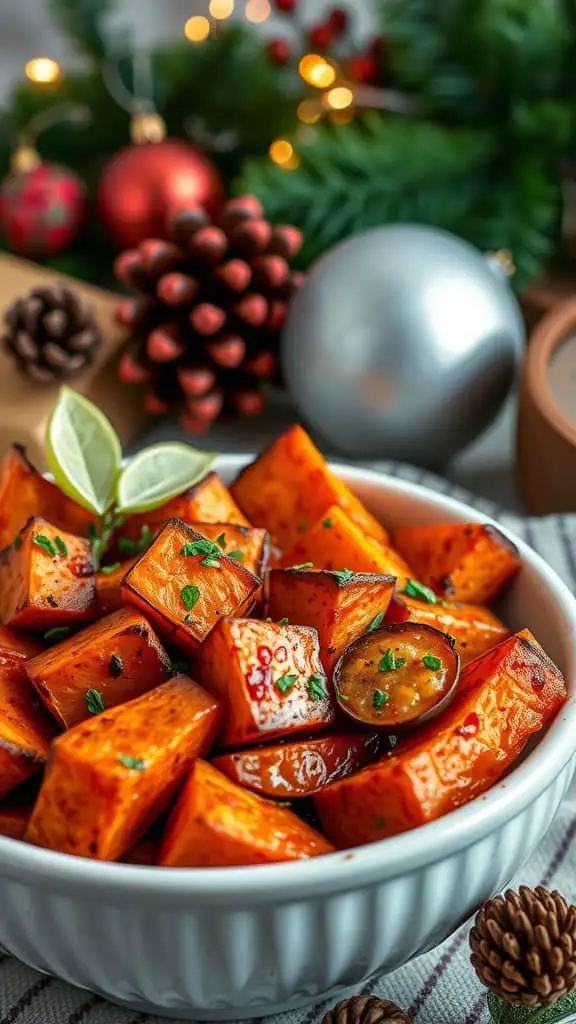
(285, 6)
(338, 20)
(379, 48)
(279, 51)
(363, 69)
(321, 37)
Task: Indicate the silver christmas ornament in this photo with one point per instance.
(402, 343)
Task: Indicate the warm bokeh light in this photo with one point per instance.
(315, 70)
(306, 133)
(309, 111)
(281, 151)
(42, 69)
(197, 29)
(342, 116)
(258, 11)
(221, 9)
(339, 98)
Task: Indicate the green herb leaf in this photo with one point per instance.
(201, 547)
(212, 563)
(189, 595)
(94, 702)
(61, 546)
(420, 592)
(285, 683)
(135, 763)
(46, 544)
(237, 555)
(327, 523)
(303, 566)
(126, 546)
(52, 636)
(302, 526)
(379, 822)
(389, 663)
(283, 621)
(92, 531)
(561, 1012)
(380, 699)
(18, 542)
(115, 666)
(180, 668)
(432, 662)
(316, 688)
(221, 540)
(344, 575)
(107, 570)
(376, 621)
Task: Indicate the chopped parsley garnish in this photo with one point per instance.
(379, 822)
(202, 547)
(189, 595)
(135, 763)
(61, 546)
(126, 546)
(303, 566)
(221, 540)
(285, 683)
(212, 563)
(432, 662)
(46, 544)
(237, 555)
(344, 575)
(376, 621)
(283, 621)
(18, 542)
(107, 570)
(327, 523)
(92, 531)
(94, 702)
(380, 699)
(115, 666)
(316, 688)
(56, 633)
(389, 663)
(420, 592)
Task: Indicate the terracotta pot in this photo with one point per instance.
(546, 434)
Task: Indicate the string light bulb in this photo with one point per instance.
(221, 9)
(316, 71)
(42, 69)
(281, 151)
(339, 98)
(258, 11)
(309, 111)
(197, 29)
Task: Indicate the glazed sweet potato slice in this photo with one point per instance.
(340, 606)
(185, 583)
(108, 779)
(47, 579)
(475, 629)
(505, 697)
(109, 584)
(25, 729)
(335, 542)
(217, 824)
(110, 662)
(469, 562)
(14, 818)
(289, 487)
(269, 677)
(24, 494)
(14, 644)
(208, 501)
(300, 769)
(247, 544)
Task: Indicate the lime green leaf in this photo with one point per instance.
(159, 473)
(562, 1012)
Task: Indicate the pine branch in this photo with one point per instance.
(82, 21)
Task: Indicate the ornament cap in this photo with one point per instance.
(24, 159)
(147, 126)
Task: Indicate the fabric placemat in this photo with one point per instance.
(437, 988)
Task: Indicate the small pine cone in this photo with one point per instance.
(366, 1010)
(51, 333)
(208, 310)
(524, 946)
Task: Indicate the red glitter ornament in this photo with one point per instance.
(279, 51)
(338, 20)
(321, 37)
(42, 209)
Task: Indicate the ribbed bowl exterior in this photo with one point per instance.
(249, 942)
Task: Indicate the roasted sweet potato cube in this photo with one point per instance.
(185, 583)
(25, 729)
(110, 662)
(335, 542)
(109, 584)
(208, 501)
(14, 818)
(14, 644)
(341, 606)
(109, 778)
(504, 698)
(145, 853)
(269, 677)
(217, 824)
(469, 562)
(475, 629)
(288, 771)
(47, 579)
(247, 544)
(24, 493)
(289, 487)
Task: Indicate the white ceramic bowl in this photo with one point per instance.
(235, 942)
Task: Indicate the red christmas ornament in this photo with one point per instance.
(42, 206)
(285, 6)
(363, 69)
(279, 51)
(146, 183)
(338, 20)
(321, 37)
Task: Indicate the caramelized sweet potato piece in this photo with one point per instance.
(469, 562)
(335, 542)
(299, 769)
(289, 487)
(108, 663)
(340, 606)
(46, 579)
(145, 853)
(269, 677)
(208, 501)
(475, 629)
(247, 544)
(14, 644)
(14, 820)
(217, 824)
(109, 585)
(24, 494)
(185, 583)
(108, 779)
(25, 729)
(505, 697)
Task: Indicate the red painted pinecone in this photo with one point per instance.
(208, 311)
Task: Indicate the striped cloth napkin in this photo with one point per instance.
(437, 988)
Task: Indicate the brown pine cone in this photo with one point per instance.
(366, 1010)
(51, 333)
(524, 946)
(207, 312)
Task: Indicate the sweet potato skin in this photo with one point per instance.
(247, 663)
(14, 820)
(108, 779)
(109, 586)
(14, 644)
(339, 609)
(335, 542)
(505, 697)
(299, 769)
(469, 562)
(157, 586)
(217, 824)
(289, 486)
(476, 629)
(25, 729)
(120, 656)
(39, 589)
